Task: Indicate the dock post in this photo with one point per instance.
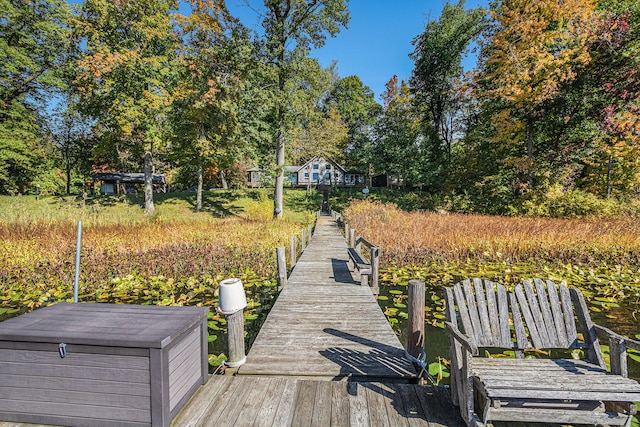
(282, 267)
(346, 233)
(375, 271)
(310, 228)
(235, 336)
(303, 241)
(352, 237)
(293, 251)
(231, 303)
(415, 323)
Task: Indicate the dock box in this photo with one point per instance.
(101, 364)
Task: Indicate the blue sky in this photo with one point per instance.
(377, 43)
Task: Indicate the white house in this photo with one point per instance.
(317, 171)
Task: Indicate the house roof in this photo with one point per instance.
(334, 163)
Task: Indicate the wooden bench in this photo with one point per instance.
(360, 264)
(534, 390)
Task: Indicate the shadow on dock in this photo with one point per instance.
(380, 362)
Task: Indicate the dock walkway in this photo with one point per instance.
(324, 325)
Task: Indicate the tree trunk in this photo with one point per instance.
(199, 189)
(148, 184)
(530, 124)
(609, 165)
(67, 156)
(223, 180)
(279, 190)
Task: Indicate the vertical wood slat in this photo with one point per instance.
(534, 306)
(493, 313)
(464, 313)
(473, 314)
(558, 318)
(352, 238)
(483, 312)
(547, 317)
(588, 331)
(569, 321)
(518, 308)
(503, 310)
(455, 348)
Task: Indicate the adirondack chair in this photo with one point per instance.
(483, 315)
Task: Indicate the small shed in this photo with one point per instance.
(101, 364)
(122, 183)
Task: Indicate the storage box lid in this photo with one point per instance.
(113, 325)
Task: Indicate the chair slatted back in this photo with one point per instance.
(547, 312)
(482, 312)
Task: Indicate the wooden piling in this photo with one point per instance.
(352, 237)
(303, 240)
(293, 251)
(282, 267)
(415, 323)
(346, 234)
(310, 231)
(235, 337)
(375, 271)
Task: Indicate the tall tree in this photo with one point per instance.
(534, 48)
(357, 107)
(204, 113)
(438, 55)
(34, 46)
(303, 24)
(396, 150)
(125, 75)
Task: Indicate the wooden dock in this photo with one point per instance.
(255, 401)
(325, 356)
(324, 325)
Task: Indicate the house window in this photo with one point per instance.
(306, 175)
(316, 176)
(316, 166)
(328, 167)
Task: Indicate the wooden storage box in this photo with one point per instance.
(123, 365)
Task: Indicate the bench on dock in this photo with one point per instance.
(534, 390)
(366, 269)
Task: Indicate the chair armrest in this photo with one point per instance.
(606, 333)
(618, 346)
(461, 338)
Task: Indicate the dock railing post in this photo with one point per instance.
(232, 301)
(352, 237)
(303, 241)
(375, 268)
(293, 251)
(310, 231)
(282, 268)
(346, 233)
(415, 322)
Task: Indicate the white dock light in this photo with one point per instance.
(231, 296)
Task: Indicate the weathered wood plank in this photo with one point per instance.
(322, 406)
(358, 409)
(339, 404)
(547, 317)
(303, 412)
(556, 309)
